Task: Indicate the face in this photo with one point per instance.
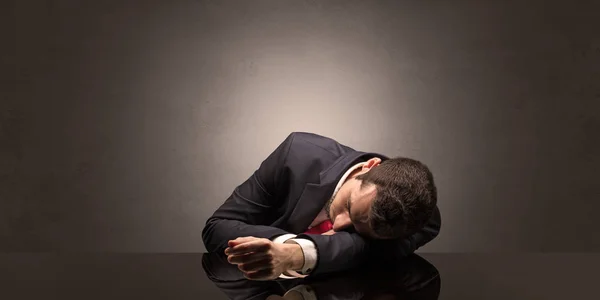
(352, 204)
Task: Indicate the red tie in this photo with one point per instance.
(321, 228)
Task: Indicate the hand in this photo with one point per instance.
(261, 259)
(330, 232)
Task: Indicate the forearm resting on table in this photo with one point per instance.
(218, 232)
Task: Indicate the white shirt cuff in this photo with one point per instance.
(310, 254)
(282, 238)
(309, 251)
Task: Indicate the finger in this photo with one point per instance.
(258, 265)
(265, 274)
(246, 258)
(259, 245)
(230, 251)
(240, 240)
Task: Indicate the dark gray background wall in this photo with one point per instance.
(124, 124)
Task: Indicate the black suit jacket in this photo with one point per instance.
(287, 192)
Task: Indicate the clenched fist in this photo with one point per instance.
(261, 259)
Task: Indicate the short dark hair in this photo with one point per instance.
(406, 197)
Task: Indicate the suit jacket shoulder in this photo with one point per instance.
(307, 156)
(323, 143)
(313, 152)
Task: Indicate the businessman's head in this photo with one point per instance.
(384, 200)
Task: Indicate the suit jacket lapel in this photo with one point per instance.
(313, 198)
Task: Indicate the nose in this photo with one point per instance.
(341, 221)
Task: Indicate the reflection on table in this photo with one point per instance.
(410, 278)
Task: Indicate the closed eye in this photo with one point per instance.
(349, 207)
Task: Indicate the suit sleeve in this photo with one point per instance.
(252, 203)
(346, 250)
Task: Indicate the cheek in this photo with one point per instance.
(336, 211)
(337, 206)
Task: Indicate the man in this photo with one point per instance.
(315, 206)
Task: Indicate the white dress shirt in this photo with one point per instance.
(308, 247)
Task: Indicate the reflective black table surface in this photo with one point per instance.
(209, 276)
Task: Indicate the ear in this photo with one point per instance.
(373, 162)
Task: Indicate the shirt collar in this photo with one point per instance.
(343, 179)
